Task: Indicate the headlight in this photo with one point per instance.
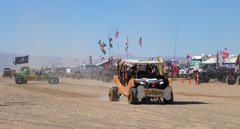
(143, 83)
(161, 83)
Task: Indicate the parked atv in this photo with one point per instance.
(7, 72)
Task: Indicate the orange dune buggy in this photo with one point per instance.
(139, 81)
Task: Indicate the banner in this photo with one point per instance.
(21, 60)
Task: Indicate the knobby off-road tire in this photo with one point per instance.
(201, 78)
(238, 80)
(20, 80)
(53, 80)
(230, 80)
(112, 94)
(56, 81)
(206, 80)
(132, 99)
(169, 101)
(168, 95)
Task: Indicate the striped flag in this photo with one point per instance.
(225, 53)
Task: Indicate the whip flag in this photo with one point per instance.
(101, 46)
(110, 41)
(116, 34)
(140, 42)
(225, 53)
(126, 44)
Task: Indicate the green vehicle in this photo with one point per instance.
(26, 75)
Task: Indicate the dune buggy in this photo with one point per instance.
(26, 75)
(140, 82)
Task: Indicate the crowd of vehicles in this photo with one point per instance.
(104, 71)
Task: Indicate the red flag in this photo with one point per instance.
(188, 56)
(127, 41)
(140, 42)
(225, 53)
(116, 34)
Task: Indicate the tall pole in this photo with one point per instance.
(118, 48)
(175, 46)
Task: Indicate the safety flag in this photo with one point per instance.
(103, 51)
(116, 34)
(101, 46)
(188, 56)
(127, 41)
(100, 43)
(126, 44)
(140, 42)
(110, 41)
(225, 53)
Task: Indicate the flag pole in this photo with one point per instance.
(175, 44)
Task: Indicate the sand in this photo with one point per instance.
(84, 104)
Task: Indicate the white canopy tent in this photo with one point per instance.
(211, 60)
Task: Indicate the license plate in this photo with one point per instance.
(153, 92)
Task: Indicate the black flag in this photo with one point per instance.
(21, 60)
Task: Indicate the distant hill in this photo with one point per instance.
(38, 61)
(35, 61)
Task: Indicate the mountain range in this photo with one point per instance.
(39, 61)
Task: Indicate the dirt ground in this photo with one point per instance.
(84, 104)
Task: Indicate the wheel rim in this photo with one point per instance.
(19, 80)
(51, 81)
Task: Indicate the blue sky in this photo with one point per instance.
(73, 27)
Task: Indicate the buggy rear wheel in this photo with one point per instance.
(238, 80)
(168, 96)
(113, 94)
(132, 99)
